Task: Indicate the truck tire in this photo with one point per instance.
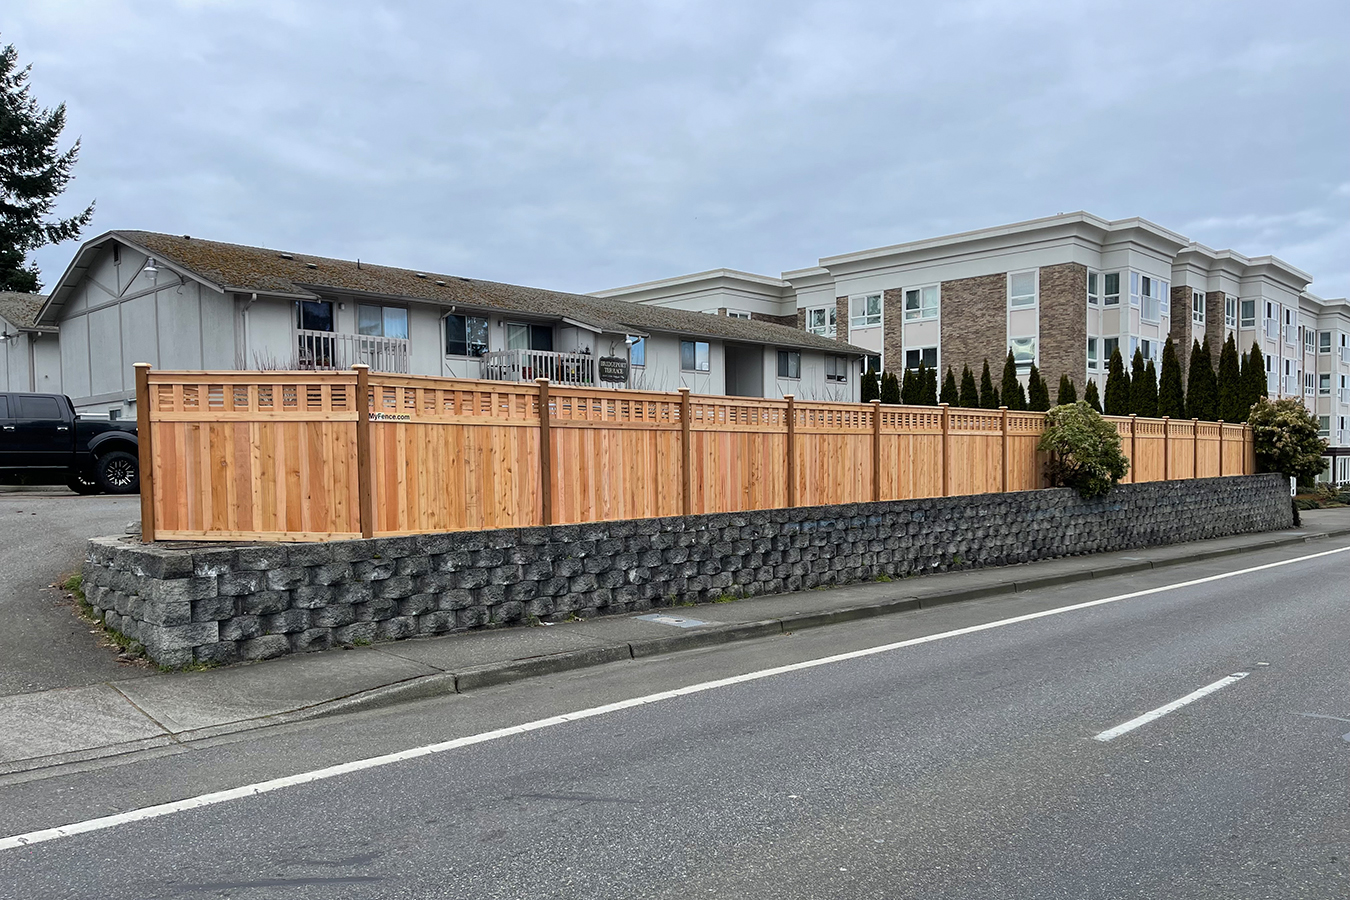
(83, 484)
(118, 472)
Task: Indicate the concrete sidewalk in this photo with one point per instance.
(49, 728)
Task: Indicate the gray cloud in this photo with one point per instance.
(587, 144)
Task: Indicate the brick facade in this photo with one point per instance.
(1180, 329)
(974, 323)
(841, 318)
(1063, 325)
(798, 321)
(1214, 327)
(892, 325)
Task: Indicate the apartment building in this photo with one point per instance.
(1061, 292)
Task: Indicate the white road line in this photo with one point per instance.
(374, 762)
(1175, 705)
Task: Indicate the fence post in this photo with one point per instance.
(876, 450)
(1134, 456)
(365, 480)
(145, 452)
(686, 456)
(1248, 451)
(1195, 447)
(791, 449)
(946, 451)
(1003, 411)
(1167, 448)
(545, 455)
(1221, 442)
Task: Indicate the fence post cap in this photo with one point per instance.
(1003, 408)
(1133, 415)
(542, 382)
(360, 366)
(140, 365)
(684, 390)
(875, 402)
(1220, 421)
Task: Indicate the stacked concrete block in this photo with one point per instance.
(226, 603)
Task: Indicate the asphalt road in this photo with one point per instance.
(42, 538)
(960, 768)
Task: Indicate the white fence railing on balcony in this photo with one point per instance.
(527, 365)
(333, 350)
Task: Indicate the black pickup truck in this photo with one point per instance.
(43, 441)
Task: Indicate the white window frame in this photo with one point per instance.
(1324, 378)
(1230, 311)
(1321, 346)
(1150, 297)
(468, 345)
(829, 321)
(1035, 295)
(707, 366)
(1309, 384)
(1134, 288)
(839, 364)
(1245, 321)
(1108, 298)
(1094, 288)
(1197, 308)
(737, 314)
(384, 310)
(928, 300)
(1094, 354)
(790, 360)
(866, 318)
(1309, 340)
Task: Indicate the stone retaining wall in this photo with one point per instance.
(214, 603)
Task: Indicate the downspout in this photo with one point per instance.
(253, 298)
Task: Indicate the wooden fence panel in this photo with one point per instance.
(1207, 456)
(1181, 445)
(738, 454)
(976, 451)
(1024, 465)
(912, 449)
(834, 453)
(1148, 442)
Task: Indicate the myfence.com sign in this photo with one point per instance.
(390, 417)
(613, 369)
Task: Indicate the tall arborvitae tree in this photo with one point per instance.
(1229, 392)
(870, 389)
(1254, 380)
(1117, 386)
(1090, 396)
(988, 393)
(1171, 395)
(1038, 392)
(928, 389)
(950, 395)
(909, 388)
(33, 173)
(970, 394)
(1200, 387)
(1013, 394)
(1148, 397)
(890, 388)
(1067, 392)
(1138, 388)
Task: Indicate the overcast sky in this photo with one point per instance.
(586, 144)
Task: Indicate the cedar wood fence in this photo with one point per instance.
(304, 456)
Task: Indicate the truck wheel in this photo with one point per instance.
(83, 484)
(118, 473)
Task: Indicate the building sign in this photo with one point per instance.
(613, 369)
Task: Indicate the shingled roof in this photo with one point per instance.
(21, 310)
(242, 269)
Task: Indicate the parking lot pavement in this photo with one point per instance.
(42, 537)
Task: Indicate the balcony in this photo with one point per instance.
(332, 350)
(527, 365)
(1272, 329)
(1291, 334)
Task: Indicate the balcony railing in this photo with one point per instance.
(333, 350)
(527, 365)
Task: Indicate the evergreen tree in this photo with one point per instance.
(1038, 392)
(1090, 396)
(1067, 392)
(909, 388)
(890, 388)
(870, 390)
(988, 395)
(1138, 389)
(1013, 394)
(1149, 396)
(33, 173)
(950, 395)
(1254, 380)
(1200, 385)
(928, 390)
(1117, 386)
(970, 394)
(1171, 395)
(1229, 389)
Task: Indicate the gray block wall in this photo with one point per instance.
(221, 603)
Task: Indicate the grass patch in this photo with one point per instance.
(128, 650)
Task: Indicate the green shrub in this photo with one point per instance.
(1284, 435)
(1084, 450)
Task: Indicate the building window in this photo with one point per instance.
(1022, 288)
(1093, 360)
(921, 356)
(1324, 342)
(1324, 426)
(1093, 288)
(789, 364)
(1324, 385)
(1134, 289)
(466, 335)
(1109, 348)
(694, 356)
(314, 315)
(1111, 289)
(869, 364)
(865, 310)
(1197, 307)
(637, 352)
(1230, 312)
(921, 303)
(382, 321)
(1309, 383)
(1150, 294)
(1309, 340)
(1248, 313)
(1024, 353)
(836, 368)
(737, 314)
(821, 321)
(529, 337)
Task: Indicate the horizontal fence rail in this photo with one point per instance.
(303, 456)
